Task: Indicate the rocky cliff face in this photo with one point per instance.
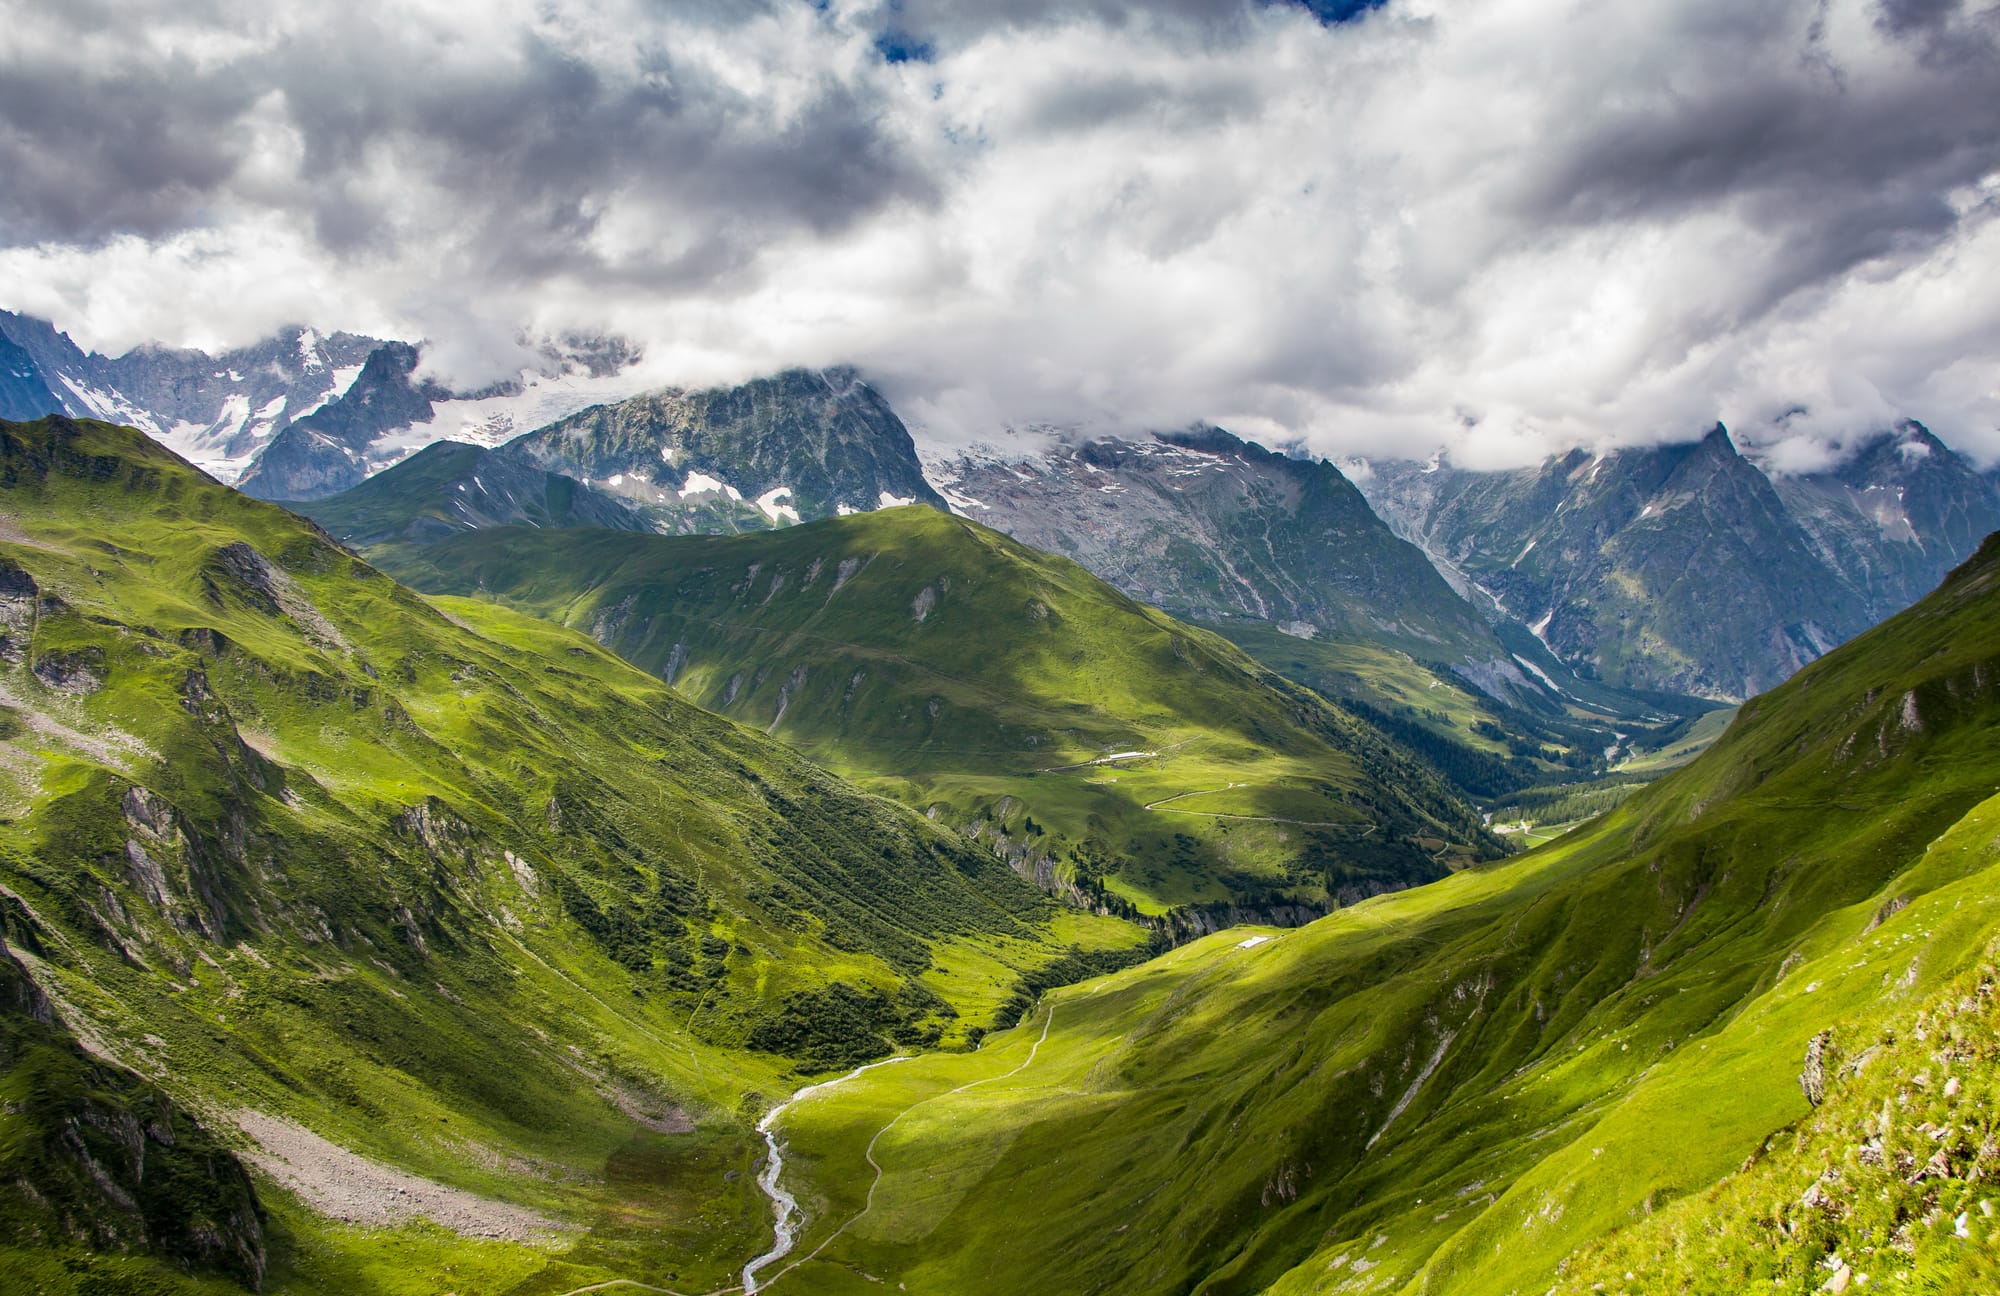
(797, 446)
(1689, 568)
(23, 393)
(92, 1155)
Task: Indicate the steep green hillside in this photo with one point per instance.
(449, 487)
(1453, 1088)
(91, 1155)
(1887, 1182)
(1097, 743)
(439, 885)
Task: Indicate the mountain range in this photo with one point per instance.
(1688, 568)
(228, 412)
(805, 445)
(1598, 588)
(736, 742)
(362, 940)
(219, 410)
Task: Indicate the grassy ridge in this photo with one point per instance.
(1452, 1089)
(452, 887)
(965, 674)
(450, 486)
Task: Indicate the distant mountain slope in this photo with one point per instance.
(1687, 569)
(971, 676)
(219, 411)
(1207, 526)
(327, 450)
(440, 492)
(794, 447)
(1451, 1090)
(1285, 557)
(440, 886)
(449, 487)
(23, 392)
(1894, 518)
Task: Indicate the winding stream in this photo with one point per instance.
(783, 1203)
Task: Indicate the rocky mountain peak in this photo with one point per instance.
(323, 453)
(1209, 439)
(1207, 525)
(1687, 567)
(793, 446)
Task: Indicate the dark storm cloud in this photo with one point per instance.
(1546, 221)
(1837, 176)
(86, 155)
(534, 157)
(1906, 16)
(528, 143)
(1789, 141)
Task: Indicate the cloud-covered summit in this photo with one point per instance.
(1498, 224)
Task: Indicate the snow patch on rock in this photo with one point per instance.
(768, 503)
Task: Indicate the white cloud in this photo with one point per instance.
(1499, 224)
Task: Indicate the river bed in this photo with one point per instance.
(784, 1206)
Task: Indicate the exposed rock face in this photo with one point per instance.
(325, 452)
(96, 1156)
(18, 593)
(1215, 529)
(797, 446)
(1191, 923)
(71, 672)
(1812, 1079)
(24, 394)
(1894, 519)
(170, 869)
(1687, 568)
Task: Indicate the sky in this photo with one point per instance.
(1503, 227)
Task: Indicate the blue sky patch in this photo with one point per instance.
(1331, 12)
(897, 46)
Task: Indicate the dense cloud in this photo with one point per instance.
(1499, 224)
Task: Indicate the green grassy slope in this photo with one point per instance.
(1888, 1180)
(1489, 749)
(449, 486)
(1452, 1089)
(454, 888)
(970, 676)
